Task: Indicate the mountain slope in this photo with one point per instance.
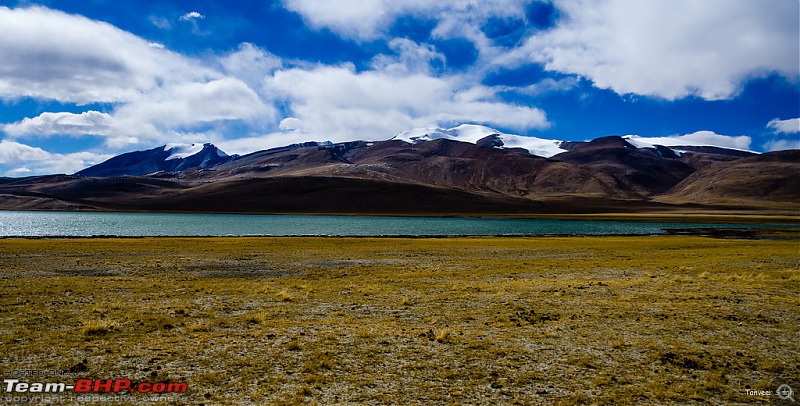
(764, 179)
(437, 176)
(166, 158)
(645, 171)
(439, 163)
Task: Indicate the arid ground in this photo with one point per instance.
(578, 320)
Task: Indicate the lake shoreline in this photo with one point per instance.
(128, 224)
(755, 216)
(732, 233)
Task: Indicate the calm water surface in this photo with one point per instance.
(69, 224)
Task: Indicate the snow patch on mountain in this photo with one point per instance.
(696, 139)
(473, 133)
(166, 158)
(181, 151)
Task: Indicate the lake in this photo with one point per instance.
(84, 224)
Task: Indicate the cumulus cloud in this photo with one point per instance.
(13, 153)
(23, 160)
(156, 95)
(70, 163)
(159, 95)
(52, 55)
(668, 48)
(291, 124)
(17, 172)
(663, 48)
(369, 19)
(361, 20)
(338, 103)
(159, 116)
(250, 64)
(190, 16)
(782, 145)
(783, 127)
(409, 57)
(698, 138)
(790, 126)
(90, 122)
(712, 138)
(189, 104)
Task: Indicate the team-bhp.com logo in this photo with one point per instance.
(94, 386)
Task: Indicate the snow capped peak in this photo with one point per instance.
(473, 133)
(465, 132)
(181, 151)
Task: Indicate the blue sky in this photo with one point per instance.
(81, 81)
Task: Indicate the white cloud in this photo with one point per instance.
(548, 85)
(669, 48)
(790, 126)
(192, 18)
(250, 64)
(160, 22)
(23, 171)
(338, 104)
(782, 145)
(359, 20)
(698, 138)
(190, 104)
(70, 163)
(291, 124)
(156, 117)
(15, 153)
(25, 160)
(193, 15)
(664, 48)
(90, 122)
(409, 57)
(52, 55)
(370, 19)
(157, 95)
(711, 138)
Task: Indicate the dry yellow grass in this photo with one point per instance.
(608, 320)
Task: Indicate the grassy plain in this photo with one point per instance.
(578, 320)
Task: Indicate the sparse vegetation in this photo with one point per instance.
(98, 327)
(285, 296)
(442, 336)
(611, 320)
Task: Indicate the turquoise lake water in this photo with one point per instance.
(81, 224)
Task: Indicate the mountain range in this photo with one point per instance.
(463, 170)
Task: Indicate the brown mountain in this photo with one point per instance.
(768, 180)
(437, 177)
(643, 171)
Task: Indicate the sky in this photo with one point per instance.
(82, 81)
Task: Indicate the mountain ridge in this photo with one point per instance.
(165, 158)
(469, 170)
